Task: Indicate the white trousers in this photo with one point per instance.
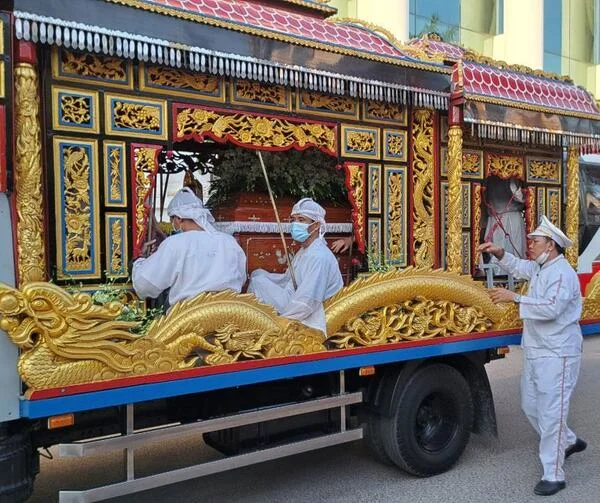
(546, 387)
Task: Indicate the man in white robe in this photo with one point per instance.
(316, 271)
(196, 259)
(552, 344)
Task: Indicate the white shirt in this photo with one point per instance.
(318, 277)
(551, 309)
(190, 263)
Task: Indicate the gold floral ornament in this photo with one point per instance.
(136, 116)
(180, 79)
(355, 181)
(470, 163)
(505, 166)
(544, 170)
(75, 109)
(65, 339)
(256, 131)
(93, 66)
(340, 104)
(396, 145)
(385, 111)
(260, 93)
(408, 305)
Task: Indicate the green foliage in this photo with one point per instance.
(433, 26)
(297, 174)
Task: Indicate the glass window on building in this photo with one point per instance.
(479, 21)
(442, 17)
(552, 35)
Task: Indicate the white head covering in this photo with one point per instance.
(185, 204)
(309, 208)
(549, 230)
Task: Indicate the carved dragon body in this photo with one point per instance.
(65, 339)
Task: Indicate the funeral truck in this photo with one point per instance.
(107, 107)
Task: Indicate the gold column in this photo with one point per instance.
(454, 212)
(572, 212)
(31, 261)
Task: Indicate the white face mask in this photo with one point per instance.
(542, 257)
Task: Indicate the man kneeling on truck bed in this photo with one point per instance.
(196, 259)
(314, 266)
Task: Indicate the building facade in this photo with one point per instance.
(560, 36)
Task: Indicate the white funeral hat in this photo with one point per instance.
(549, 230)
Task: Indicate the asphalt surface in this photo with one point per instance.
(502, 469)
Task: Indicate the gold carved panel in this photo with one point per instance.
(77, 209)
(374, 184)
(395, 145)
(90, 68)
(254, 130)
(360, 141)
(395, 221)
(327, 105)
(176, 82)
(543, 170)
(505, 166)
(386, 113)
(472, 164)
(553, 206)
(272, 96)
(75, 110)
(355, 182)
(145, 167)
(135, 118)
(115, 174)
(115, 230)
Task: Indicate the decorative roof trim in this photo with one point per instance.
(78, 36)
(524, 134)
(528, 106)
(337, 49)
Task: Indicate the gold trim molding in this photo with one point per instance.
(455, 209)
(572, 210)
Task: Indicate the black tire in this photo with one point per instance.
(431, 421)
(374, 439)
(19, 464)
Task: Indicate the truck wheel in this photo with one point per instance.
(431, 421)
(19, 464)
(374, 439)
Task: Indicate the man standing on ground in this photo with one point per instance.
(552, 344)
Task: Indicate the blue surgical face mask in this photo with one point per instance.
(300, 231)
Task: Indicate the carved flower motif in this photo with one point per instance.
(262, 127)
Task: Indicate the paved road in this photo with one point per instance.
(491, 470)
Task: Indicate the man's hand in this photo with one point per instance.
(492, 248)
(341, 245)
(501, 295)
(148, 248)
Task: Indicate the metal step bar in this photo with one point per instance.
(133, 439)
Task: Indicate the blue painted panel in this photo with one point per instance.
(144, 392)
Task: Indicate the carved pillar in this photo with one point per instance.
(423, 179)
(572, 213)
(454, 214)
(29, 201)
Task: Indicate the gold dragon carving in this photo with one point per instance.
(250, 130)
(423, 178)
(180, 79)
(471, 163)
(75, 109)
(357, 187)
(544, 170)
(65, 339)
(116, 187)
(94, 66)
(77, 210)
(455, 209)
(360, 141)
(261, 93)
(340, 104)
(505, 166)
(136, 116)
(31, 254)
(572, 211)
(385, 111)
